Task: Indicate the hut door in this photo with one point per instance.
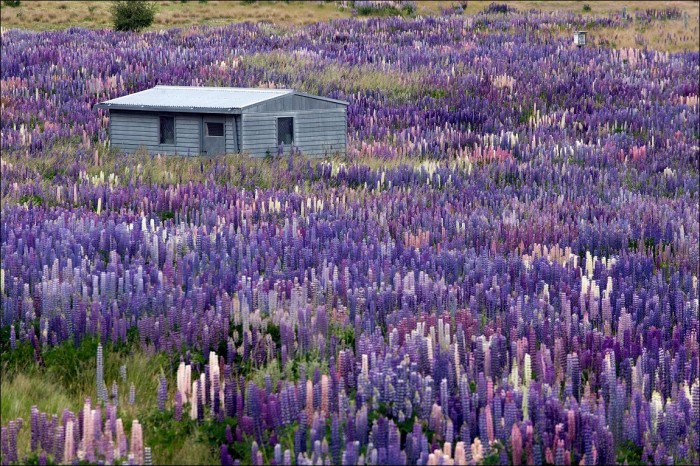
(213, 136)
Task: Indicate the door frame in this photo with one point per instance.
(202, 130)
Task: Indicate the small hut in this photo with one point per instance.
(182, 120)
(580, 38)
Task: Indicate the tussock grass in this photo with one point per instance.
(20, 393)
(68, 378)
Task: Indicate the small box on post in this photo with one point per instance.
(580, 38)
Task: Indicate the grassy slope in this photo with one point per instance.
(42, 15)
(69, 377)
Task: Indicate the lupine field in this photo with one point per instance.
(502, 270)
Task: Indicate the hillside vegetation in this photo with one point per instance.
(671, 35)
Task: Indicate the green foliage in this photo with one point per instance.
(248, 2)
(132, 15)
(345, 334)
(34, 457)
(629, 453)
(33, 199)
(15, 360)
(438, 93)
(494, 458)
(382, 409)
(163, 433)
(11, 3)
(214, 433)
(274, 331)
(586, 8)
(166, 215)
(526, 114)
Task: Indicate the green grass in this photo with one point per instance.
(67, 378)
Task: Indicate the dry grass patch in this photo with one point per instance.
(170, 14)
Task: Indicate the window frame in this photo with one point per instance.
(160, 130)
(206, 130)
(277, 126)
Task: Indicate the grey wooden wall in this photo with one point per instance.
(316, 133)
(130, 131)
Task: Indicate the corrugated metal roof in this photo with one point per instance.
(199, 99)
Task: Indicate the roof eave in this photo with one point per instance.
(325, 99)
(165, 108)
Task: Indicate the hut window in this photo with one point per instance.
(215, 129)
(167, 130)
(285, 131)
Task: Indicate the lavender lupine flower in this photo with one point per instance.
(132, 394)
(100, 383)
(162, 392)
(115, 394)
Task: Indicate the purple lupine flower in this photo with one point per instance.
(35, 428)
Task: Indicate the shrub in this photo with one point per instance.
(133, 15)
(586, 8)
(12, 3)
(501, 8)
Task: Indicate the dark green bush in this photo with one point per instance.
(132, 15)
(12, 3)
(586, 8)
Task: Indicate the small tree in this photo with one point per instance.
(132, 15)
